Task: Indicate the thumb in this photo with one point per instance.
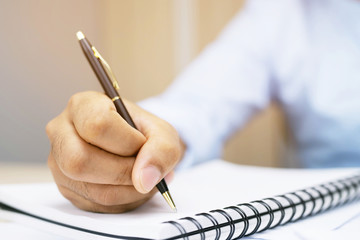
(155, 160)
(161, 152)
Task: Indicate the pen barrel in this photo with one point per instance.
(112, 93)
(120, 107)
(98, 69)
(162, 187)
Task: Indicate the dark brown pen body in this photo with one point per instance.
(111, 92)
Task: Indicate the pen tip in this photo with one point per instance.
(169, 200)
(80, 35)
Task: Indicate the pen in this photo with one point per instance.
(110, 86)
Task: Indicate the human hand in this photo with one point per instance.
(100, 163)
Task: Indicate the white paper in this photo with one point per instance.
(14, 231)
(210, 186)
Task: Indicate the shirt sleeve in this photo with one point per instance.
(223, 87)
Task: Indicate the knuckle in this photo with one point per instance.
(57, 143)
(66, 193)
(172, 147)
(171, 150)
(104, 195)
(49, 128)
(52, 128)
(73, 163)
(75, 100)
(176, 147)
(95, 126)
(124, 175)
(109, 197)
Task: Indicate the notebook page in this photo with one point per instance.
(21, 232)
(270, 182)
(339, 223)
(210, 186)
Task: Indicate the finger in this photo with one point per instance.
(105, 195)
(97, 122)
(84, 162)
(154, 161)
(87, 205)
(159, 155)
(169, 177)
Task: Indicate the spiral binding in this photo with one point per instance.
(248, 218)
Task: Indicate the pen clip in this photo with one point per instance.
(106, 67)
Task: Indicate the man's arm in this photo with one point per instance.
(225, 85)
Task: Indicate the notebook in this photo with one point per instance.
(216, 200)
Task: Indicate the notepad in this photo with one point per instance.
(216, 200)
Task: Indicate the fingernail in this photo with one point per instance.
(150, 176)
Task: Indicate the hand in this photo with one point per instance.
(100, 163)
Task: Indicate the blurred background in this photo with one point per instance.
(147, 43)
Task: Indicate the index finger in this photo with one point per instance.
(95, 119)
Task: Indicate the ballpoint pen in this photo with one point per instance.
(110, 86)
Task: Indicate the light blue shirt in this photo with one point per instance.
(304, 54)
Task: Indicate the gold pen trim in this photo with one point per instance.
(107, 68)
(115, 98)
(87, 49)
(169, 200)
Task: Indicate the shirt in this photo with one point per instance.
(304, 54)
